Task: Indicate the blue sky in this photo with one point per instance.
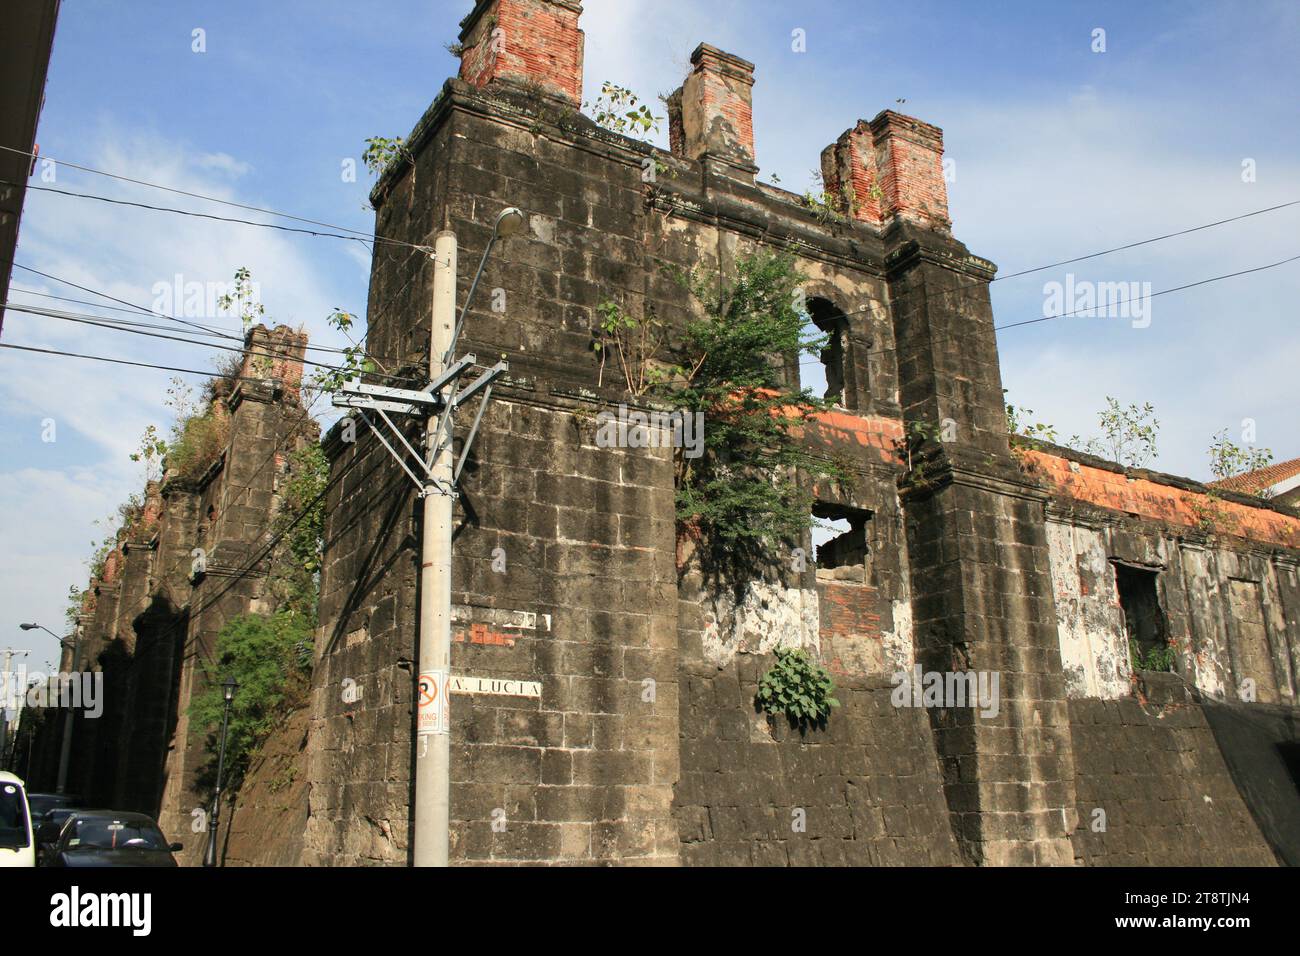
(1058, 151)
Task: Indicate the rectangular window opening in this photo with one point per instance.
(839, 534)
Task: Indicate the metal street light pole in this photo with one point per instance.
(228, 692)
(65, 746)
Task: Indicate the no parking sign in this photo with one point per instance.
(432, 716)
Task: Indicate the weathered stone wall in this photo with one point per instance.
(265, 825)
(1230, 603)
(865, 791)
(1227, 610)
(1152, 786)
(149, 619)
(642, 744)
(563, 574)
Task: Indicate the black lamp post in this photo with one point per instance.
(228, 693)
(65, 745)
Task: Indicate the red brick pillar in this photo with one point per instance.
(275, 354)
(890, 168)
(524, 41)
(711, 116)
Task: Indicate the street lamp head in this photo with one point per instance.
(228, 689)
(511, 222)
(29, 627)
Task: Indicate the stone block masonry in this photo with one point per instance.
(153, 614)
(606, 710)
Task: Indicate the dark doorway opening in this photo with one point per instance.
(1289, 751)
(154, 705)
(1143, 618)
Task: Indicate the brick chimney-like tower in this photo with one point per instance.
(524, 41)
(890, 168)
(711, 116)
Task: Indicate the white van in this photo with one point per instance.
(17, 847)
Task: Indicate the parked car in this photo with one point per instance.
(111, 838)
(42, 803)
(17, 843)
(47, 829)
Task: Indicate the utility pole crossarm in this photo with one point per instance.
(484, 380)
(372, 404)
(401, 461)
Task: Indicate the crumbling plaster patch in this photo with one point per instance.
(1090, 623)
(767, 615)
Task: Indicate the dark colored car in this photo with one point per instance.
(109, 838)
(42, 803)
(47, 830)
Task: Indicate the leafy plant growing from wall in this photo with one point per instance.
(270, 656)
(616, 110)
(1227, 459)
(748, 493)
(381, 153)
(635, 344)
(293, 581)
(242, 299)
(916, 435)
(798, 687)
(1158, 658)
(750, 490)
(152, 450)
(353, 360)
(199, 433)
(831, 205)
(1128, 434)
(1020, 422)
(72, 612)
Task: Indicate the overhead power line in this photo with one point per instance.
(116, 361)
(187, 212)
(135, 309)
(268, 350)
(1096, 307)
(1179, 288)
(1145, 242)
(112, 298)
(224, 202)
(115, 325)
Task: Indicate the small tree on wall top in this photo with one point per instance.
(747, 491)
(750, 489)
(1228, 459)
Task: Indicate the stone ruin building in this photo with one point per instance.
(152, 615)
(1021, 561)
(642, 743)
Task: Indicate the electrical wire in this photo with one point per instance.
(224, 202)
(266, 350)
(185, 212)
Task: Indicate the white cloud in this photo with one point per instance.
(51, 493)
(224, 163)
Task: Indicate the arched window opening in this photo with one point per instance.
(825, 377)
